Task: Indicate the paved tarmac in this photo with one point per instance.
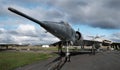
(108, 60)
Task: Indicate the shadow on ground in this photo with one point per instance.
(60, 61)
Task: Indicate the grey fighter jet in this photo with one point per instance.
(61, 30)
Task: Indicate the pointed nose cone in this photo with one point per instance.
(48, 25)
(51, 27)
(45, 24)
(11, 9)
(26, 16)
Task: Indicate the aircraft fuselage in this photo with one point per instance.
(62, 30)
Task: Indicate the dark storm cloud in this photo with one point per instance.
(95, 13)
(113, 4)
(54, 14)
(106, 25)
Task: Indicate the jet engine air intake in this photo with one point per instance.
(78, 35)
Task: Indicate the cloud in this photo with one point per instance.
(26, 34)
(113, 4)
(90, 12)
(27, 30)
(2, 30)
(103, 13)
(93, 13)
(115, 37)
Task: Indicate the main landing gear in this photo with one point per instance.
(67, 55)
(67, 52)
(93, 49)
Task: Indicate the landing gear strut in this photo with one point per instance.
(60, 49)
(93, 49)
(67, 52)
(67, 55)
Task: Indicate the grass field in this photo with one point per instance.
(12, 60)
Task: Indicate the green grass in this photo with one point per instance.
(12, 60)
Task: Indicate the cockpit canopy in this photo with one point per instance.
(66, 23)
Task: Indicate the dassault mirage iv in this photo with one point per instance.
(61, 30)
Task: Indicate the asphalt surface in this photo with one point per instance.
(108, 60)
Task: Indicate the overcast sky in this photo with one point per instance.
(92, 17)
